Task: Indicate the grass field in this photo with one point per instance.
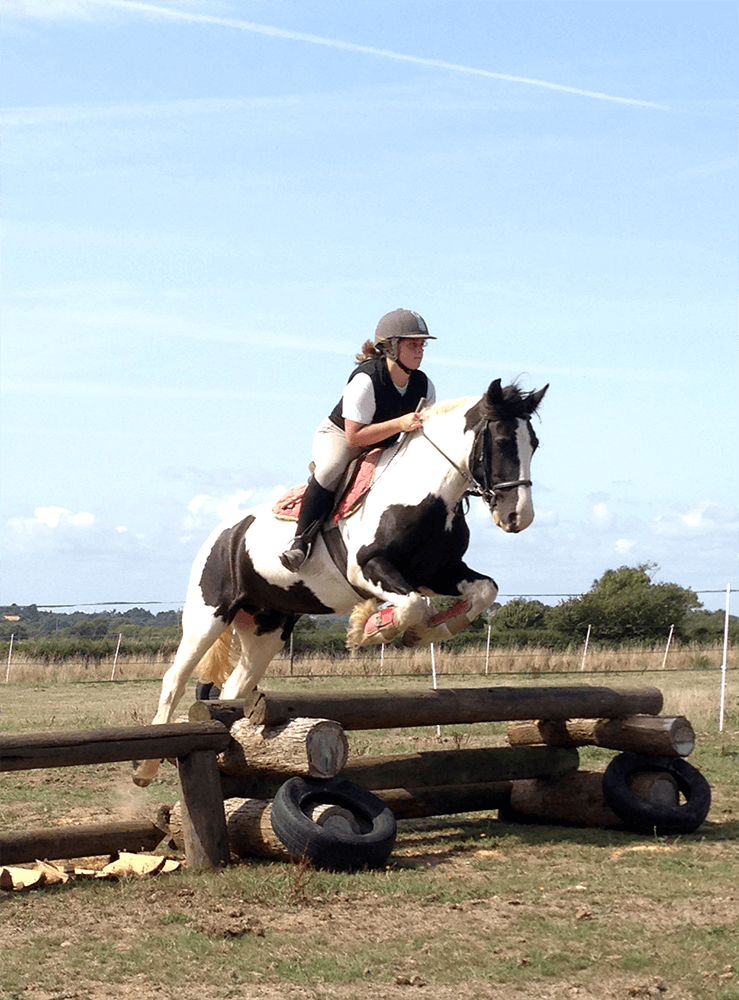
(469, 907)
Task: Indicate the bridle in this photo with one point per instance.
(479, 485)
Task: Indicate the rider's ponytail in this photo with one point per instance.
(369, 351)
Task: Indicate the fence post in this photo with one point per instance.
(487, 648)
(115, 658)
(667, 647)
(10, 655)
(723, 662)
(585, 650)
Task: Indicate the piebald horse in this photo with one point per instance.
(403, 544)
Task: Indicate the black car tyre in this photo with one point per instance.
(646, 817)
(338, 845)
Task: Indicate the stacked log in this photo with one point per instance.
(646, 734)
(535, 778)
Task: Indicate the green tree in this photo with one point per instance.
(625, 606)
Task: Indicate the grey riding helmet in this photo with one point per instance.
(399, 324)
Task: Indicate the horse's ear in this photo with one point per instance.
(533, 400)
(494, 395)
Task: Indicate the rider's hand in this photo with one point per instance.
(411, 422)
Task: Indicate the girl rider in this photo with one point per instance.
(378, 404)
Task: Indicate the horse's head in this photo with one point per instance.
(504, 443)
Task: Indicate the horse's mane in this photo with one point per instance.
(512, 406)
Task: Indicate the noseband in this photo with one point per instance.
(480, 485)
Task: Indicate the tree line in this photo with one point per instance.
(625, 607)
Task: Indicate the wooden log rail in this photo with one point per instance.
(429, 768)
(194, 746)
(645, 734)
(445, 706)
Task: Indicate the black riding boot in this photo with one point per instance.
(315, 508)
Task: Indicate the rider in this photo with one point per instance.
(378, 404)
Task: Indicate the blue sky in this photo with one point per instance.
(209, 204)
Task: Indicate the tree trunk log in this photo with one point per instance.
(249, 828)
(428, 769)
(445, 800)
(315, 748)
(577, 799)
(102, 746)
(646, 734)
(460, 767)
(446, 706)
(69, 842)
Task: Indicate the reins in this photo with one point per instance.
(485, 490)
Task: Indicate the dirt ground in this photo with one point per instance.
(469, 909)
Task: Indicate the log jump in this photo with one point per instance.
(233, 759)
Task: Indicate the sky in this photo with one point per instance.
(209, 204)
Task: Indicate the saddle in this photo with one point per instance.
(359, 478)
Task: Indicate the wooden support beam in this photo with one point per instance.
(646, 734)
(445, 706)
(445, 800)
(203, 820)
(460, 767)
(69, 842)
(428, 769)
(102, 746)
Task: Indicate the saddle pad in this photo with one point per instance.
(287, 507)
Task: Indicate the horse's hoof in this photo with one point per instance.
(139, 776)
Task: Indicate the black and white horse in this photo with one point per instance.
(404, 543)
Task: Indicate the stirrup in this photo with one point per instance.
(300, 547)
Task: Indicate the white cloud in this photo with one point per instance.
(52, 517)
(703, 518)
(624, 545)
(600, 515)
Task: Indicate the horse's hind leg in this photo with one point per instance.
(261, 638)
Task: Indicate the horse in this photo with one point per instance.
(381, 562)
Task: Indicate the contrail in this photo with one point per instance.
(335, 43)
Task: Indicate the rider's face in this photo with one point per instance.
(410, 351)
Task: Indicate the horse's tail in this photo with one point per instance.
(217, 664)
(360, 614)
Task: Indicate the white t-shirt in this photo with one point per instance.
(358, 401)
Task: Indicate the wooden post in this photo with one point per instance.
(445, 706)
(203, 820)
(645, 734)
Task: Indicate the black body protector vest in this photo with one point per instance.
(389, 403)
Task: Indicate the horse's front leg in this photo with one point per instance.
(477, 593)
(408, 608)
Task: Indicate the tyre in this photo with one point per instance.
(207, 692)
(363, 840)
(646, 817)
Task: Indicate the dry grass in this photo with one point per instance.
(394, 662)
